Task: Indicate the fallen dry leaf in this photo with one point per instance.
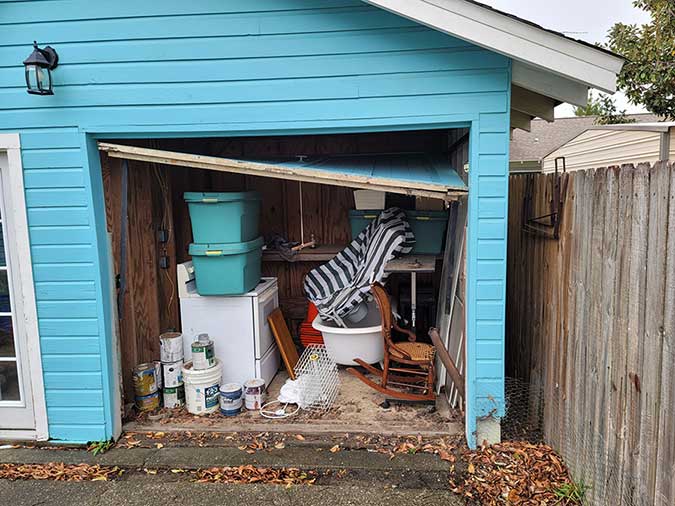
(58, 471)
(299, 437)
(335, 449)
(252, 474)
(513, 473)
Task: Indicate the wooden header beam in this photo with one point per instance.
(421, 189)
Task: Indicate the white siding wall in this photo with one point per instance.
(603, 148)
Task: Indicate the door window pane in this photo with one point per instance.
(6, 337)
(5, 306)
(9, 382)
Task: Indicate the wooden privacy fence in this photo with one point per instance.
(591, 325)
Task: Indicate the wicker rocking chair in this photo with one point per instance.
(408, 366)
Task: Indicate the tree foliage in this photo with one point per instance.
(604, 108)
(648, 77)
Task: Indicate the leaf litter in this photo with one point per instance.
(512, 473)
(58, 471)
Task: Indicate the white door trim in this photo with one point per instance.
(28, 323)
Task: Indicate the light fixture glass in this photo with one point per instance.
(38, 68)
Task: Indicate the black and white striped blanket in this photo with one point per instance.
(338, 287)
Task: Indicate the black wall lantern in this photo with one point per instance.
(39, 66)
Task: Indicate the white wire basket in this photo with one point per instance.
(317, 377)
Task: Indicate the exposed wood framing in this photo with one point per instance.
(420, 189)
(532, 104)
(521, 120)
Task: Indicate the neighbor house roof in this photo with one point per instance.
(545, 137)
(545, 61)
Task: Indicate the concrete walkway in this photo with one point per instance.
(345, 478)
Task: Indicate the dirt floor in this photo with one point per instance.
(357, 409)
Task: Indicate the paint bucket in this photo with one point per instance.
(254, 393)
(174, 397)
(172, 374)
(202, 388)
(171, 347)
(147, 402)
(145, 379)
(158, 375)
(203, 356)
(231, 399)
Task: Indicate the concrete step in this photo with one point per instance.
(150, 492)
(302, 457)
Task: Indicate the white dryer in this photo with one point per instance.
(237, 324)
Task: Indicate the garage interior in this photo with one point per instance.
(158, 233)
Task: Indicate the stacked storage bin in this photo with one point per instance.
(428, 228)
(227, 250)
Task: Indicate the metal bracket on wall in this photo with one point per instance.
(547, 225)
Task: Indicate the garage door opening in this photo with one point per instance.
(149, 224)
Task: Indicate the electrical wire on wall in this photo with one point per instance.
(166, 222)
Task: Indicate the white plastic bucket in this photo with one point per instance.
(202, 388)
(171, 347)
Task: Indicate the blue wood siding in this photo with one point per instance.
(226, 67)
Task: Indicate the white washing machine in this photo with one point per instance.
(237, 324)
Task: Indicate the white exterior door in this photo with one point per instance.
(16, 396)
(22, 402)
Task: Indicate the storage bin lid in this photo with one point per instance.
(215, 197)
(222, 249)
(427, 215)
(365, 213)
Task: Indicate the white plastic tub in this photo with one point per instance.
(360, 340)
(202, 388)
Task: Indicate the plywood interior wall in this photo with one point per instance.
(155, 201)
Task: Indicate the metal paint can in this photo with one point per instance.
(145, 380)
(174, 397)
(158, 375)
(203, 356)
(147, 402)
(172, 374)
(171, 347)
(231, 399)
(254, 394)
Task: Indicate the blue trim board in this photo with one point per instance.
(226, 68)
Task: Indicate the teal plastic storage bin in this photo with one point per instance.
(223, 217)
(227, 269)
(358, 220)
(428, 226)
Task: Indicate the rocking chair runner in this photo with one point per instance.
(407, 365)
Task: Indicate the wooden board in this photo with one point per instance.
(277, 171)
(289, 352)
(412, 263)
